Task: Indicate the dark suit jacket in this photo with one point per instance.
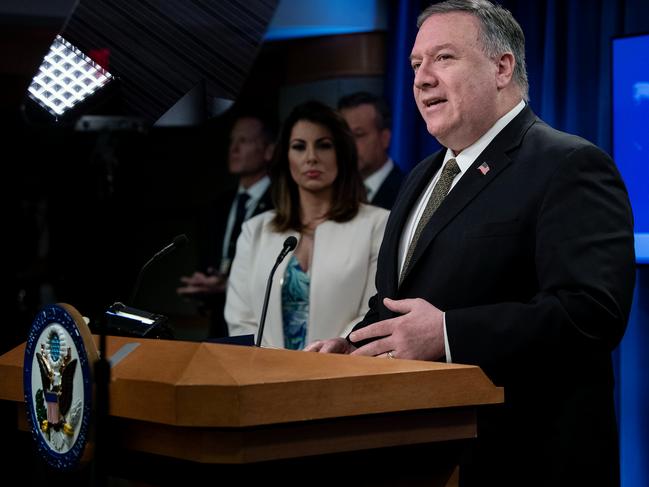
(389, 189)
(212, 227)
(533, 264)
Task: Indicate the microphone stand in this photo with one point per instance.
(138, 280)
(289, 244)
(105, 156)
(264, 309)
(102, 384)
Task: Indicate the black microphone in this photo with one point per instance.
(289, 244)
(179, 241)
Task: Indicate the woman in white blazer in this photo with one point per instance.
(323, 288)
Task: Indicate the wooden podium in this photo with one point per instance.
(265, 412)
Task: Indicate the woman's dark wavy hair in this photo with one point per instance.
(348, 190)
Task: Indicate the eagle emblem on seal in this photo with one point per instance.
(57, 416)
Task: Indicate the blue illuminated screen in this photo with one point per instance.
(631, 129)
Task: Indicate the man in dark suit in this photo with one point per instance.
(511, 249)
(250, 151)
(369, 119)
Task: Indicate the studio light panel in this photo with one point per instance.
(66, 77)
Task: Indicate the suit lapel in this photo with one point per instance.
(474, 181)
(388, 191)
(265, 203)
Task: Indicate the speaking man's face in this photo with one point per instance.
(455, 83)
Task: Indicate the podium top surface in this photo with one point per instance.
(214, 385)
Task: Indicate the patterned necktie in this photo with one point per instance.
(441, 189)
(239, 218)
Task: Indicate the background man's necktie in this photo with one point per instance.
(242, 199)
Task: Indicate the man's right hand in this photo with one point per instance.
(202, 284)
(332, 345)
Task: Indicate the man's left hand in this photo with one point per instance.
(418, 334)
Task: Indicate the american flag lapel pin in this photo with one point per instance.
(484, 168)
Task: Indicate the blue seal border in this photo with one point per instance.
(48, 315)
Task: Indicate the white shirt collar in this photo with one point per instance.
(470, 154)
(256, 191)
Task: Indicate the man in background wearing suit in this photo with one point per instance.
(250, 151)
(511, 249)
(369, 118)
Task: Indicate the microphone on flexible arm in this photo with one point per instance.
(289, 244)
(178, 242)
(126, 320)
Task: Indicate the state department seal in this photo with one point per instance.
(57, 380)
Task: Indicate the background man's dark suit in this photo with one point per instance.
(388, 191)
(533, 264)
(213, 225)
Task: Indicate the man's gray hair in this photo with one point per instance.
(499, 33)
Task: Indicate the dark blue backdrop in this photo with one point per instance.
(569, 68)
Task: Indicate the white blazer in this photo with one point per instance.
(342, 273)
